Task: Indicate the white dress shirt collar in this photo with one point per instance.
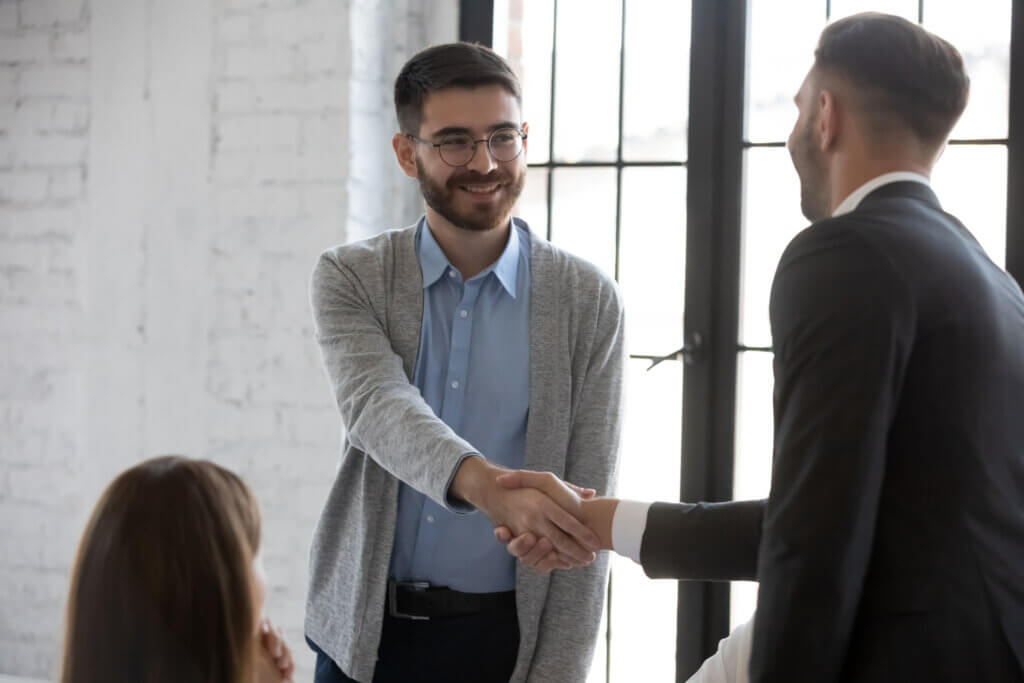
(858, 195)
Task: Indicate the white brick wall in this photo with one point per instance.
(168, 174)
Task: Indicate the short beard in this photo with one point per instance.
(815, 202)
(439, 198)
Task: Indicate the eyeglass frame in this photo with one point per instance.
(437, 145)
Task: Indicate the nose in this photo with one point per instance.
(482, 162)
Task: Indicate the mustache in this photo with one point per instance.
(474, 178)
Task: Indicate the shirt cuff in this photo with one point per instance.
(628, 525)
(451, 503)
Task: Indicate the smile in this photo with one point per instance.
(481, 189)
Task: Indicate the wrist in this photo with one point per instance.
(598, 514)
(475, 482)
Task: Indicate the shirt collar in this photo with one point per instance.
(506, 268)
(858, 195)
(433, 262)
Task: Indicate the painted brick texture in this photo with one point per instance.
(169, 173)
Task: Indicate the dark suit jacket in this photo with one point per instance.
(891, 547)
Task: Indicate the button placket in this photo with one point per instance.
(458, 357)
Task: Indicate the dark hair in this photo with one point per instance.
(906, 74)
(452, 65)
(161, 591)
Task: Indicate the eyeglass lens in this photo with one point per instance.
(504, 144)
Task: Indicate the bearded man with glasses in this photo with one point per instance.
(459, 348)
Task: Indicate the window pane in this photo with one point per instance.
(970, 181)
(754, 425)
(648, 470)
(981, 31)
(781, 52)
(904, 8)
(523, 34)
(771, 218)
(583, 214)
(653, 257)
(532, 206)
(657, 81)
(587, 80)
(752, 469)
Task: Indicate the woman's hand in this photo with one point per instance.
(273, 658)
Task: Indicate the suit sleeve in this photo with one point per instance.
(842, 325)
(384, 414)
(572, 612)
(702, 541)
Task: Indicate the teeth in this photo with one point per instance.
(480, 189)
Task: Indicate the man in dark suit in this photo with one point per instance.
(891, 547)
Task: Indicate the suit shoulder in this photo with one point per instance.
(858, 234)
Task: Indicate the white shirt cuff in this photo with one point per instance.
(628, 525)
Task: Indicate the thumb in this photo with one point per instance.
(503, 534)
(581, 491)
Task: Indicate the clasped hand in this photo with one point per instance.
(539, 551)
(544, 521)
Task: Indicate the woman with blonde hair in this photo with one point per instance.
(167, 586)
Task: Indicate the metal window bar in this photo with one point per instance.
(1015, 148)
(979, 141)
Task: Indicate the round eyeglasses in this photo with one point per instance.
(458, 149)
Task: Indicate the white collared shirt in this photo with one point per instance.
(630, 519)
(858, 195)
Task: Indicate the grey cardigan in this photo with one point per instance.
(367, 301)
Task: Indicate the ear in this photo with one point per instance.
(828, 120)
(526, 141)
(405, 153)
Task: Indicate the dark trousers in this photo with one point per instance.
(480, 648)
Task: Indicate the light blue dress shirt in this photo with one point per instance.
(473, 370)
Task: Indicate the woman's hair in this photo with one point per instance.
(161, 591)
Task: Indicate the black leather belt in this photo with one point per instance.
(421, 601)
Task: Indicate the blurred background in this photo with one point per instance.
(169, 173)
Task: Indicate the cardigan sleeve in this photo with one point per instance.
(383, 412)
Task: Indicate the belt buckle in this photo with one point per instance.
(393, 598)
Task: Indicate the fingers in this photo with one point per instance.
(573, 527)
(274, 646)
(503, 534)
(283, 658)
(540, 550)
(566, 544)
(553, 560)
(582, 492)
(520, 546)
(540, 556)
(545, 482)
(530, 510)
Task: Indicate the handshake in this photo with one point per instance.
(544, 521)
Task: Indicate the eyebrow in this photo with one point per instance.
(456, 130)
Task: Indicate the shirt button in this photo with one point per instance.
(463, 313)
(451, 273)
(430, 519)
(455, 384)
